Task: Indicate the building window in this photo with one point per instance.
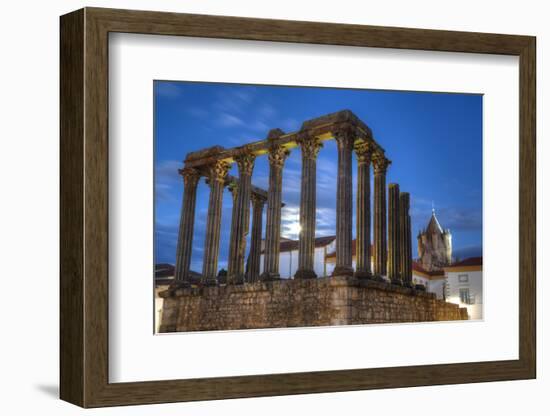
(465, 296)
(446, 290)
(463, 278)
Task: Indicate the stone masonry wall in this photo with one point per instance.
(300, 303)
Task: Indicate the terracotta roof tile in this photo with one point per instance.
(353, 250)
(292, 245)
(417, 267)
(470, 261)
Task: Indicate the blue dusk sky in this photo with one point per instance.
(433, 139)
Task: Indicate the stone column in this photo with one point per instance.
(240, 220)
(362, 239)
(380, 164)
(187, 221)
(277, 156)
(216, 179)
(233, 187)
(344, 203)
(253, 263)
(394, 244)
(310, 147)
(405, 268)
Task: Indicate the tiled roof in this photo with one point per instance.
(292, 245)
(353, 250)
(167, 271)
(417, 267)
(164, 270)
(470, 261)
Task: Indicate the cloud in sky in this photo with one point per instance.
(461, 219)
(228, 120)
(196, 112)
(167, 179)
(456, 219)
(290, 217)
(235, 108)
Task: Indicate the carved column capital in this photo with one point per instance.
(190, 176)
(217, 172)
(245, 162)
(345, 136)
(310, 146)
(380, 163)
(364, 152)
(258, 200)
(277, 156)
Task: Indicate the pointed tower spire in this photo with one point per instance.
(433, 225)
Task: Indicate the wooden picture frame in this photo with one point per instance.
(84, 207)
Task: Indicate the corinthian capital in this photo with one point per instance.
(380, 163)
(258, 200)
(345, 137)
(190, 176)
(363, 151)
(310, 146)
(277, 156)
(218, 171)
(245, 162)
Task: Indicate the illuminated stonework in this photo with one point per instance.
(352, 137)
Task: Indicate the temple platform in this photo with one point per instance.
(326, 301)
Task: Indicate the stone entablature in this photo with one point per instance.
(337, 300)
(323, 128)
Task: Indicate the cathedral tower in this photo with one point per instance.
(435, 247)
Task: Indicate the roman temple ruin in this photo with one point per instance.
(387, 276)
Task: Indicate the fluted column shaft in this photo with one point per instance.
(216, 179)
(233, 189)
(380, 164)
(344, 204)
(240, 220)
(253, 263)
(187, 222)
(406, 246)
(277, 156)
(363, 221)
(394, 245)
(310, 147)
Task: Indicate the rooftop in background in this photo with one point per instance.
(332, 255)
(435, 274)
(164, 274)
(164, 270)
(292, 245)
(471, 262)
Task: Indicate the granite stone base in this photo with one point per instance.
(336, 300)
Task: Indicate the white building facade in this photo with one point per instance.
(464, 285)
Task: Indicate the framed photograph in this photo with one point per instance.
(255, 207)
